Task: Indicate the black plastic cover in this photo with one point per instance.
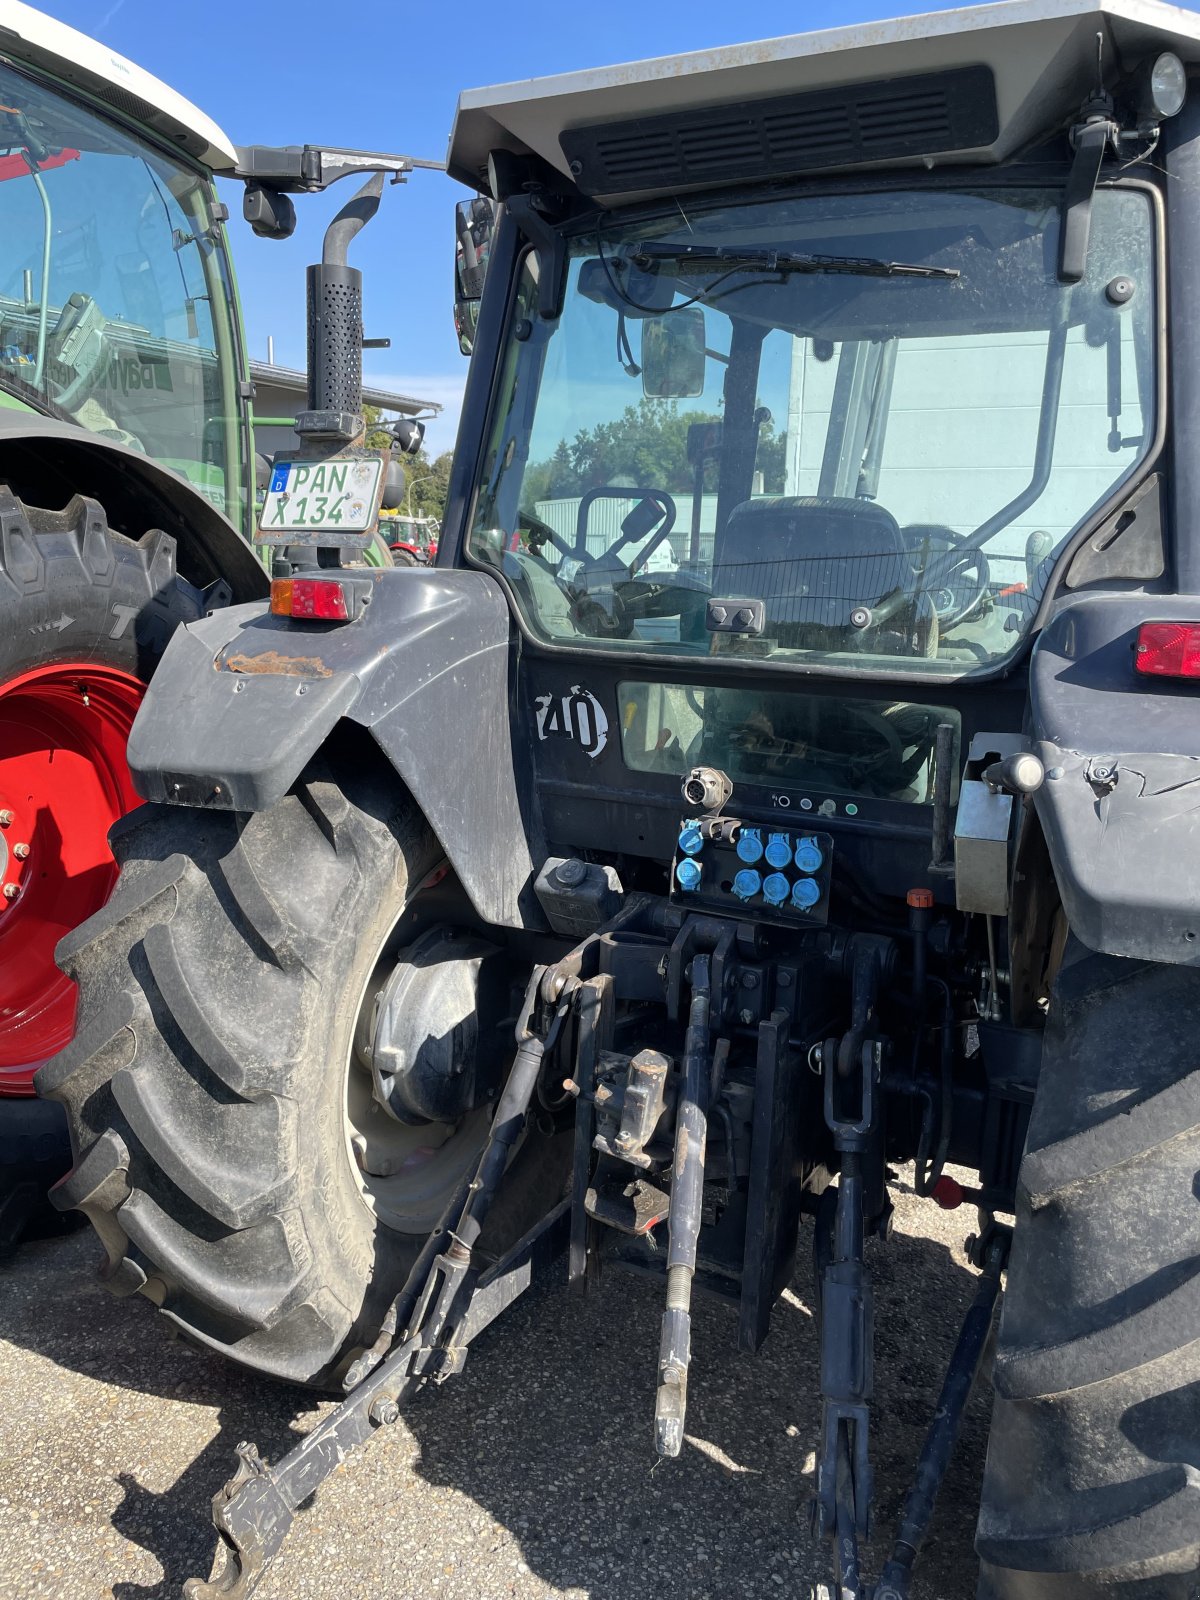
(1120, 806)
(882, 121)
(242, 700)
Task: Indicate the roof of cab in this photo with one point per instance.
(34, 39)
(1042, 53)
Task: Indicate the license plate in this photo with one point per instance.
(339, 495)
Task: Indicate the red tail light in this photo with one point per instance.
(1168, 650)
(317, 599)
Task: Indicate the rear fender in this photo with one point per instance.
(242, 700)
(1120, 806)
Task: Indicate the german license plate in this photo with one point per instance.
(338, 495)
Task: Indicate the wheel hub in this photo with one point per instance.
(423, 1046)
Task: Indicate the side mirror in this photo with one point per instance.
(474, 224)
(673, 356)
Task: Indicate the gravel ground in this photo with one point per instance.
(532, 1475)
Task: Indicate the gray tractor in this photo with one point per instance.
(786, 771)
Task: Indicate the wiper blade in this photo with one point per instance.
(737, 258)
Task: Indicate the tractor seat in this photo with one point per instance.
(812, 561)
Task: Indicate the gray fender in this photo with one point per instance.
(45, 462)
(242, 700)
(1120, 807)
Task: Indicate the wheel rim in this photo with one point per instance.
(405, 1175)
(65, 780)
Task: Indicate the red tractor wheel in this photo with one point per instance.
(63, 783)
(85, 614)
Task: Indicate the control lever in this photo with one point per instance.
(1019, 774)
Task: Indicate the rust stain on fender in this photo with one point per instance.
(271, 663)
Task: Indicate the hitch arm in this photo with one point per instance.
(442, 1307)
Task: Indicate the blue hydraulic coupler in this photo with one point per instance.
(691, 840)
(687, 875)
(808, 855)
(779, 850)
(775, 888)
(749, 845)
(805, 893)
(747, 883)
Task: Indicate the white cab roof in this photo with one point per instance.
(1042, 53)
(30, 37)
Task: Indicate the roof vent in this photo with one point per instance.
(887, 120)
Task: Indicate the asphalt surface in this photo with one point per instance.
(532, 1475)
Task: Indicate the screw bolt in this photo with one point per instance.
(20, 851)
(11, 891)
(5, 818)
(384, 1412)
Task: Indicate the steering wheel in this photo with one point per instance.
(601, 588)
(959, 570)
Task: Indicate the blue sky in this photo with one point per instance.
(269, 72)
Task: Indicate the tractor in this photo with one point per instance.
(126, 487)
(779, 786)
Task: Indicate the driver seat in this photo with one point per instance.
(814, 562)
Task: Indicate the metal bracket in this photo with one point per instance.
(255, 1509)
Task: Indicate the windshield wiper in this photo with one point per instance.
(738, 258)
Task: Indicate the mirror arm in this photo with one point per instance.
(530, 211)
(1090, 140)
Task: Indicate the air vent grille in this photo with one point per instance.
(889, 120)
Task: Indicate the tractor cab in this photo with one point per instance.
(118, 309)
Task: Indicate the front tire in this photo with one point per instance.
(1092, 1486)
(207, 1088)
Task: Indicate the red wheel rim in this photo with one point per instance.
(64, 781)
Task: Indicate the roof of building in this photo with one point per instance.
(386, 399)
(32, 37)
(1042, 54)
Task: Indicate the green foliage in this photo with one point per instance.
(645, 447)
(377, 438)
(427, 484)
(428, 480)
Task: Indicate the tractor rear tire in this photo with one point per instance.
(207, 1090)
(85, 614)
(1092, 1485)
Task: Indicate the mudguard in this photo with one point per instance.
(243, 699)
(1120, 807)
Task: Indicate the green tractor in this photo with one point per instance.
(785, 772)
(126, 486)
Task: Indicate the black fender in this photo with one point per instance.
(45, 462)
(1120, 805)
(242, 700)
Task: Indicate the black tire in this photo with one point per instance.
(121, 600)
(35, 1151)
(206, 1088)
(1092, 1486)
(72, 589)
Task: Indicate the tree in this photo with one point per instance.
(378, 438)
(645, 447)
(428, 480)
(428, 483)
